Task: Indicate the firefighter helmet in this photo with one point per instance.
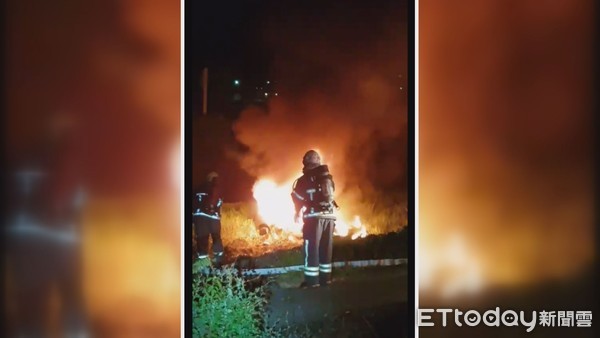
(311, 159)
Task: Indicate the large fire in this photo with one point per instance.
(275, 208)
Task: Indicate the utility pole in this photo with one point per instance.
(204, 90)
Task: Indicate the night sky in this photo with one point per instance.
(225, 36)
(239, 38)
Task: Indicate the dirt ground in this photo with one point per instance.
(368, 302)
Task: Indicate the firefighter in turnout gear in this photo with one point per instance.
(313, 198)
(207, 220)
(46, 199)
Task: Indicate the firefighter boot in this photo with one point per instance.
(218, 259)
(325, 274)
(311, 277)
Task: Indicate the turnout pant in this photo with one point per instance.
(206, 227)
(318, 243)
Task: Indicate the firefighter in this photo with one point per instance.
(207, 220)
(313, 196)
(44, 248)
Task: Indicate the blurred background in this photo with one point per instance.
(506, 159)
(92, 140)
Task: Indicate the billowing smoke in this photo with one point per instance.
(504, 125)
(339, 75)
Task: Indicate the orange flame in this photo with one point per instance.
(449, 266)
(275, 207)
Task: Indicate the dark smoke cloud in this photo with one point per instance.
(338, 71)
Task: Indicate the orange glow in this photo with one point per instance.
(450, 266)
(505, 164)
(131, 266)
(275, 208)
(275, 205)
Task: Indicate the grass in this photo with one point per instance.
(384, 214)
(238, 228)
(229, 306)
(287, 257)
(391, 245)
(240, 234)
(225, 305)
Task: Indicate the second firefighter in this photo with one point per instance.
(207, 219)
